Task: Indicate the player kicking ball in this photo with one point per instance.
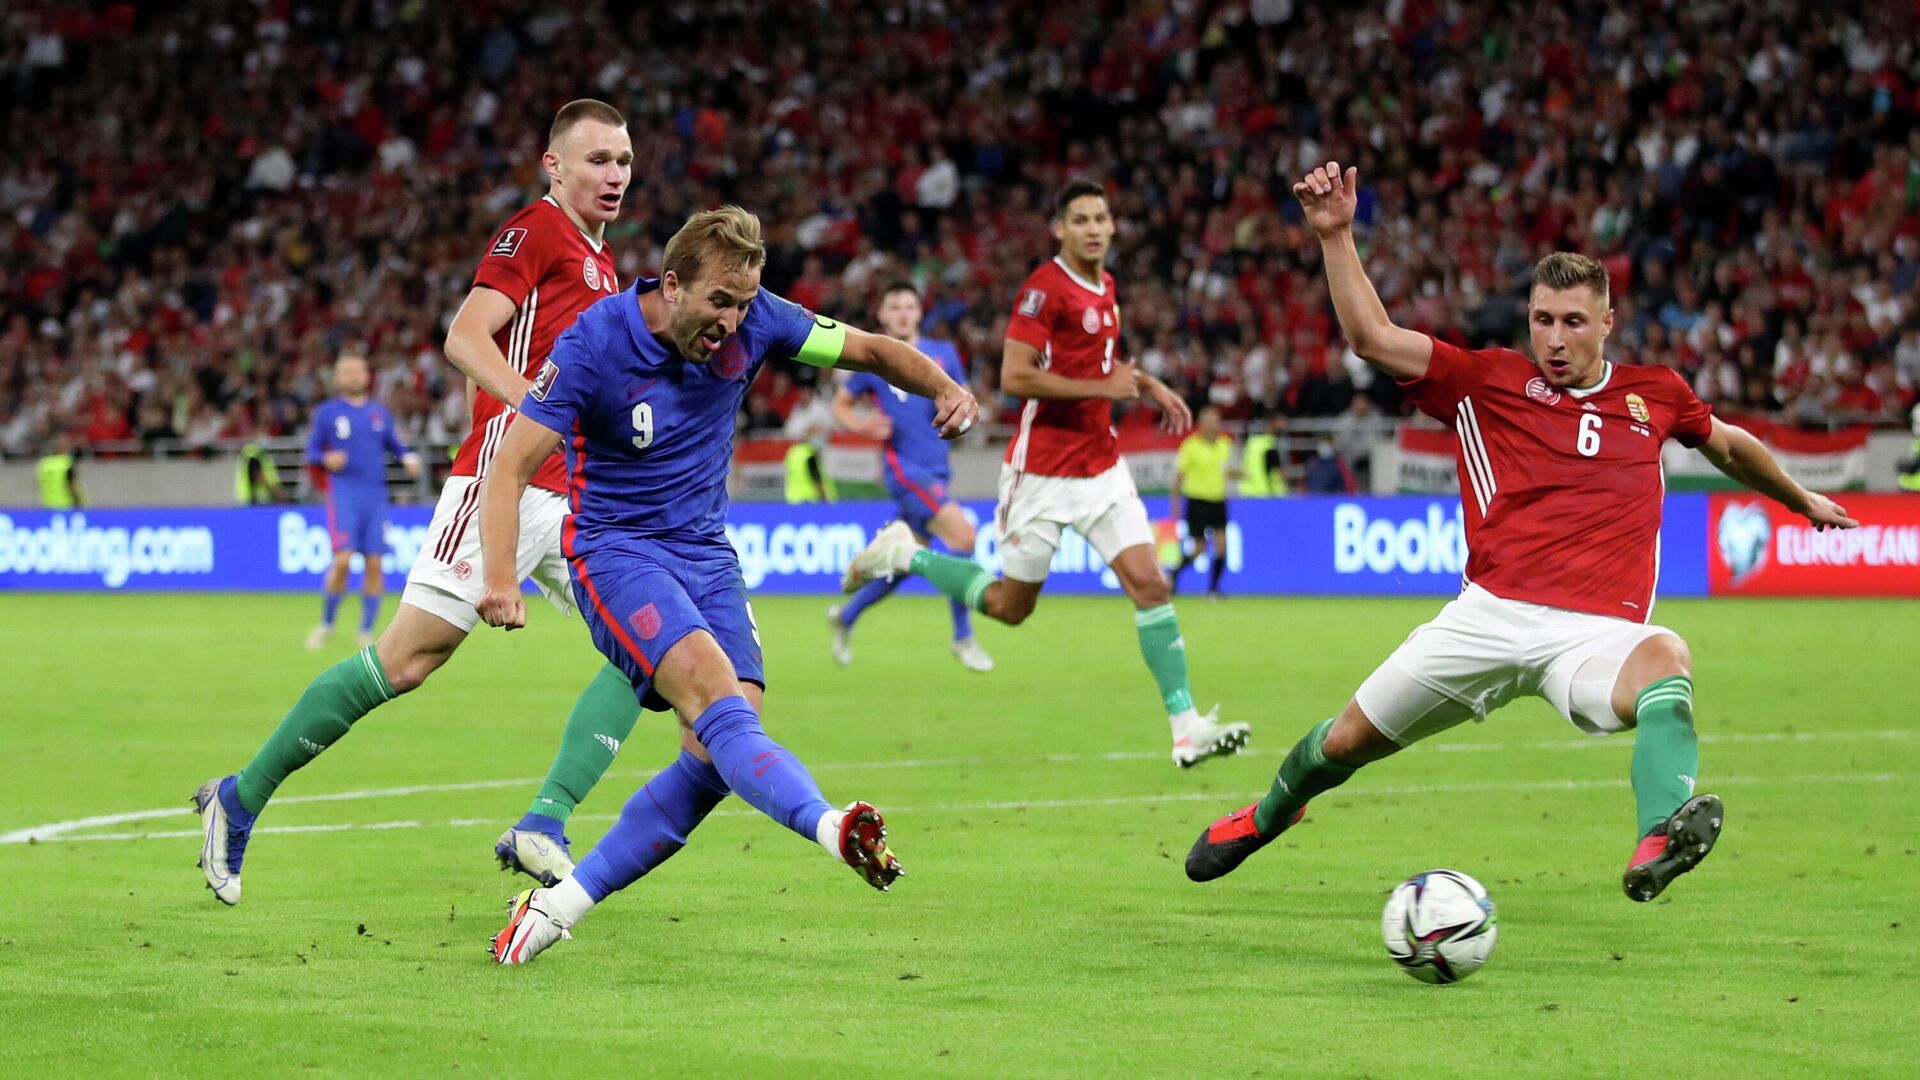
(916, 473)
(1063, 469)
(646, 386)
(1560, 482)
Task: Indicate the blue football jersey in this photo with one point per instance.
(365, 432)
(915, 440)
(649, 433)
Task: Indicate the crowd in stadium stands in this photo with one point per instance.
(203, 202)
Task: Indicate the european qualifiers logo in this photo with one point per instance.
(1742, 537)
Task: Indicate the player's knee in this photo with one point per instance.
(1354, 740)
(1666, 655)
(961, 539)
(1010, 610)
(407, 665)
(1151, 591)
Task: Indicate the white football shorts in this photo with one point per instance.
(1106, 509)
(1482, 651)
(446, 580)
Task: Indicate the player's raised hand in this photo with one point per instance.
(954, 411)
(1123, 383)
(1826, 514)
(1329, 197)
(333, 460)
(503, 607)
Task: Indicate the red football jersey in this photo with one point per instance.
(1076, 326)
(1561, 488)
(551, 271)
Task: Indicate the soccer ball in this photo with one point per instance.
(1439, 926)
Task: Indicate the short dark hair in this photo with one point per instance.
(900, 285)
(1078, 188)
(573, 112)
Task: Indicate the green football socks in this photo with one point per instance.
(1666, 751)
(1304, 774)
(1166, 655)
(332, 702)
(960, 579)
(601, 720)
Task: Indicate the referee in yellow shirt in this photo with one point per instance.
(1203, 464)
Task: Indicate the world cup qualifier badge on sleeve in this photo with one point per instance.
(543, 381)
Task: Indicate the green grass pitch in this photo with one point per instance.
(1045, 927)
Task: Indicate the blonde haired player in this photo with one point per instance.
(1561, 488)
(546, 265)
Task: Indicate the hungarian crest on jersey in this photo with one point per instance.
(1637, 408)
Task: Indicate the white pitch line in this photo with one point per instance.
(36, 833)
(1054, 804)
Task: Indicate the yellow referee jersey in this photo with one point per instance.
(1202, 465)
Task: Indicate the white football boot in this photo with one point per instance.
(971, 655)
(888, 556)
(1207, 738)
(317, 637)
(541, 856)
(529, 930)
(842, 641)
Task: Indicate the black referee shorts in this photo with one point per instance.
(1204, 516)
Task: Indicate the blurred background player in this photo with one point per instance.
(1063, 468)
(1561, 489)
(648, 385)
(916, 471)
(347, 454)
(1201, 468)
(545, 266)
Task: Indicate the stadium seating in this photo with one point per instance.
(200, 212)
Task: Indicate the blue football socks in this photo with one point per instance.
(759, 770)
(653, 825)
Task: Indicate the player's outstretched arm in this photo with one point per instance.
(906, 367)
(470, 345)
(527, 444)
(1734, 451)
(1022, 376)
(1329, 198)
(850, 417)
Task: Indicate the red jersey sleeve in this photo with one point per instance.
(1452, 373)
(1692, 418)
(1032, 319)
(516, 260)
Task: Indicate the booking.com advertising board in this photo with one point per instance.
(1401, 545)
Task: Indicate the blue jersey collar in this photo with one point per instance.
(643, 339)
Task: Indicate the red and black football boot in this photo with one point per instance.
(1674, 848)
(1227, 842)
